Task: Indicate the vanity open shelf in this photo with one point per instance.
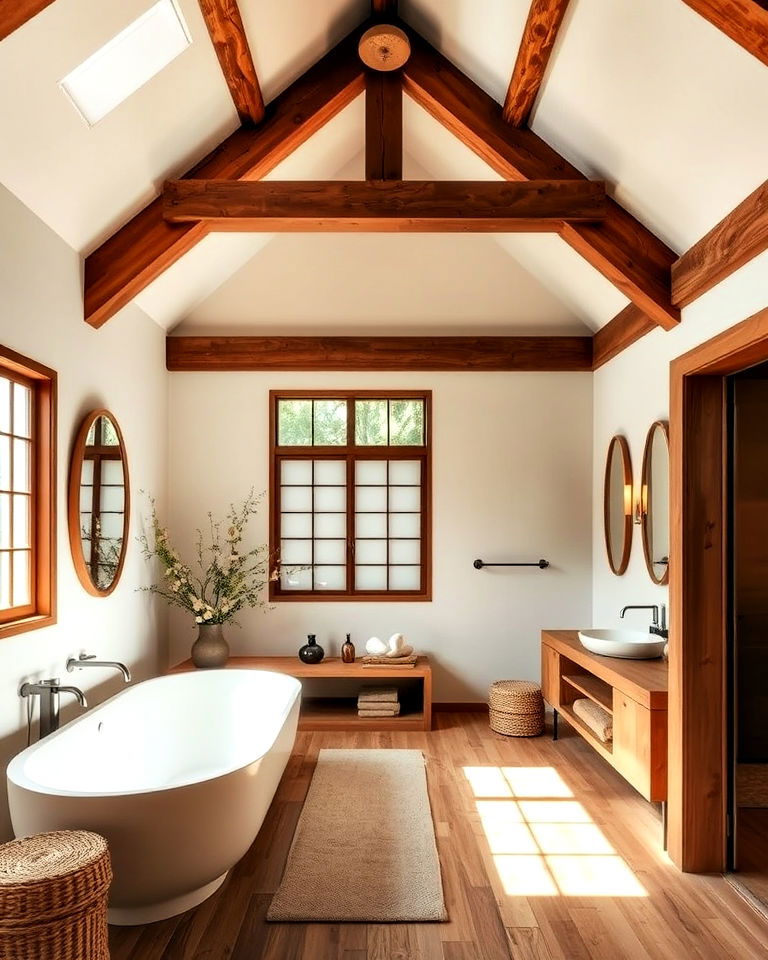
(633, 692)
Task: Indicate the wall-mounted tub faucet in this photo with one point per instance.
(48, 691)
(89, 660)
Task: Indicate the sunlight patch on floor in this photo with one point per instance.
(543, 842)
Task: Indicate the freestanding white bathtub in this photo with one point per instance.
(177, 773)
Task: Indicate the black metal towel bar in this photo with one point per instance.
(541, 564)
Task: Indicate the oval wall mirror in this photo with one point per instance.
(99, 503)
(655, 502)
(617, 505)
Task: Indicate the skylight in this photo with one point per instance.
(127, 61)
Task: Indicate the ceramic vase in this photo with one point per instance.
(311, 652)
(348, 651)
(210, 649)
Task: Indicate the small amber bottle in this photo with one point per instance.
(348, 651)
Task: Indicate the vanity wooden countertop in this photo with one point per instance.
(645, 681)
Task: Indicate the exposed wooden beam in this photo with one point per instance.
(628, 326)
(621, 248)
(744, 21)
(225, 25)
(147, 245)
(539, 35)
(383, 125)
(15, 13)
(395, 205)
(379, 353)
(737, 239)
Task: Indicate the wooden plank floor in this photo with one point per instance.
(556, 860)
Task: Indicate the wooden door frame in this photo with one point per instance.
(698, 745)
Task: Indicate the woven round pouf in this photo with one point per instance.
(516, 708)
(53, 897)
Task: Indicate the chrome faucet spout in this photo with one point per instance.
(642, 606)
(75, 692)
(89, 660)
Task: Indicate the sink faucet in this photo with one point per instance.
(657, 628)
(48, 691)
(89, 660)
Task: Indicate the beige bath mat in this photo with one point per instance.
(364, 848)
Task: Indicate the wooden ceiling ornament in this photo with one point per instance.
(384, 47)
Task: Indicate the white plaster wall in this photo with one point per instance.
(632, 391)
(512, 480)
(120, 367)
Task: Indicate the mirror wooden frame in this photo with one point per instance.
(623, 446)
(73, 510)
(664, 427)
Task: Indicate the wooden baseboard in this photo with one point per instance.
(461, 706)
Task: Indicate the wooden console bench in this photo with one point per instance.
(634, 692)
(340, 712)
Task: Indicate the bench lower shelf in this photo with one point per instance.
(340, 713)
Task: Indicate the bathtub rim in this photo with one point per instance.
(16, 776)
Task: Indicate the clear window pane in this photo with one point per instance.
(405, 578)
(370, 551)
(21, 521)
(371, 525)
(108, 433)
(112, 472)
(296, 579)
(86, 474)
(113, 499)
(90, 439)
(111, 526)
(22, 587)
(371, 423)
(5, 521)
(294, 423)
(330, 499)
(405, 524)
(371, 473)
(22, 472)
(296, 551)
(370, 578)
(22, 410)
(331, 525)
(404, 498)
(5, 405)
(330, 578)
(5, 580)
(405, 473)
(296, 525)
(296, 473)
(331, 472)
(5, 463)
(371, 499)
(86, 499)
(296, 499)
(330, 422)
(405, 551)
(330, 551)
(406, 422)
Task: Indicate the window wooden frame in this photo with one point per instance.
(351, 453)
(41, 612)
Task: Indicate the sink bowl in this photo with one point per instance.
(627, 644)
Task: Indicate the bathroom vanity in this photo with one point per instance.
(634, 692)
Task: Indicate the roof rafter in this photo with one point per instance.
(738, 238)
(626, 328)
(15, 13)
(146, 245)
(225, 25)
(745, 21)
(436, 206)
(539, 35)
(621, 248)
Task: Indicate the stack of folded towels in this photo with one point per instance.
(378, 702)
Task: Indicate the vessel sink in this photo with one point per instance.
(628, 644)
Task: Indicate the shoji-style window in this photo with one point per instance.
(351, 495)
(27, 493)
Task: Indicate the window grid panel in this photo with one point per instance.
(16, 471)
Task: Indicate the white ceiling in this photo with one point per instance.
(644, 93)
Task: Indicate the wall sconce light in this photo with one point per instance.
(628, 497)
(641, 507)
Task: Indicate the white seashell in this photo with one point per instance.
(405, 651)
(376, 647)
(396, 641)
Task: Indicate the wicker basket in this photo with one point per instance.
(516, 708)
(53, 897)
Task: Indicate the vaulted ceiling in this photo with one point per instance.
(648, 95)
